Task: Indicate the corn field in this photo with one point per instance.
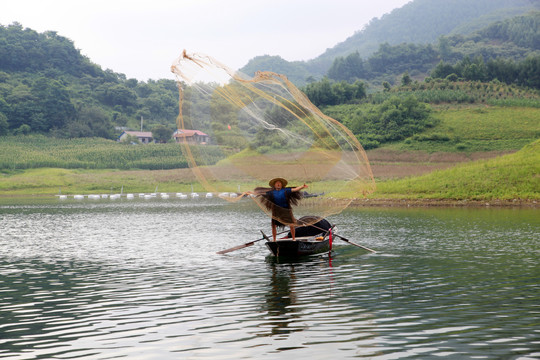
(38, 151)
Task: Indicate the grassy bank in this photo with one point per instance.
(514, 176)
(50, 181)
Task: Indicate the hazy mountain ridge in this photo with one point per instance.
(418, 22)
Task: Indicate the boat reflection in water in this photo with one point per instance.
(286, 294)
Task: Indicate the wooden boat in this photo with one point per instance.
(310, 239)
(300, 247)
(314, 237)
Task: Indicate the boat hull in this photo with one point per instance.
(297, 248)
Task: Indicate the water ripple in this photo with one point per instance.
(141, 280)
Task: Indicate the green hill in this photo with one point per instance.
(475, 129)
(47, 86)
(514, 176)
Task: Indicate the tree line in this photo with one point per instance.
(522, 73)
(387, 60)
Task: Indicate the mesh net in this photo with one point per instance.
(238, 133)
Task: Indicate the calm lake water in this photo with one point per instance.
(140, 279)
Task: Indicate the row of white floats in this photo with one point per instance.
(179, 195)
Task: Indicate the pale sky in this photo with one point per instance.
(141, 38)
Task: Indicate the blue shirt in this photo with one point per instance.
(280, 198)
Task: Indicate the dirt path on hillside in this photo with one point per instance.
(389, 164)
(385, 164)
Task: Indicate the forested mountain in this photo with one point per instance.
(419, 22)
(47, 86)
(513, 40)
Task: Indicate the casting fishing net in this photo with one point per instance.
(239, 132)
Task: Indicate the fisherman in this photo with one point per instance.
(280, 200)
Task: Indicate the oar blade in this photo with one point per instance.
(355, 244)
(247, 244)
(235, 248)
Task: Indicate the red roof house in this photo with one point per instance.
(191, 136)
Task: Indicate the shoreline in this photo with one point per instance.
(381, 202)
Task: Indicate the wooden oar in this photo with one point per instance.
(352, 243)
(246, 244)
(345, 239)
